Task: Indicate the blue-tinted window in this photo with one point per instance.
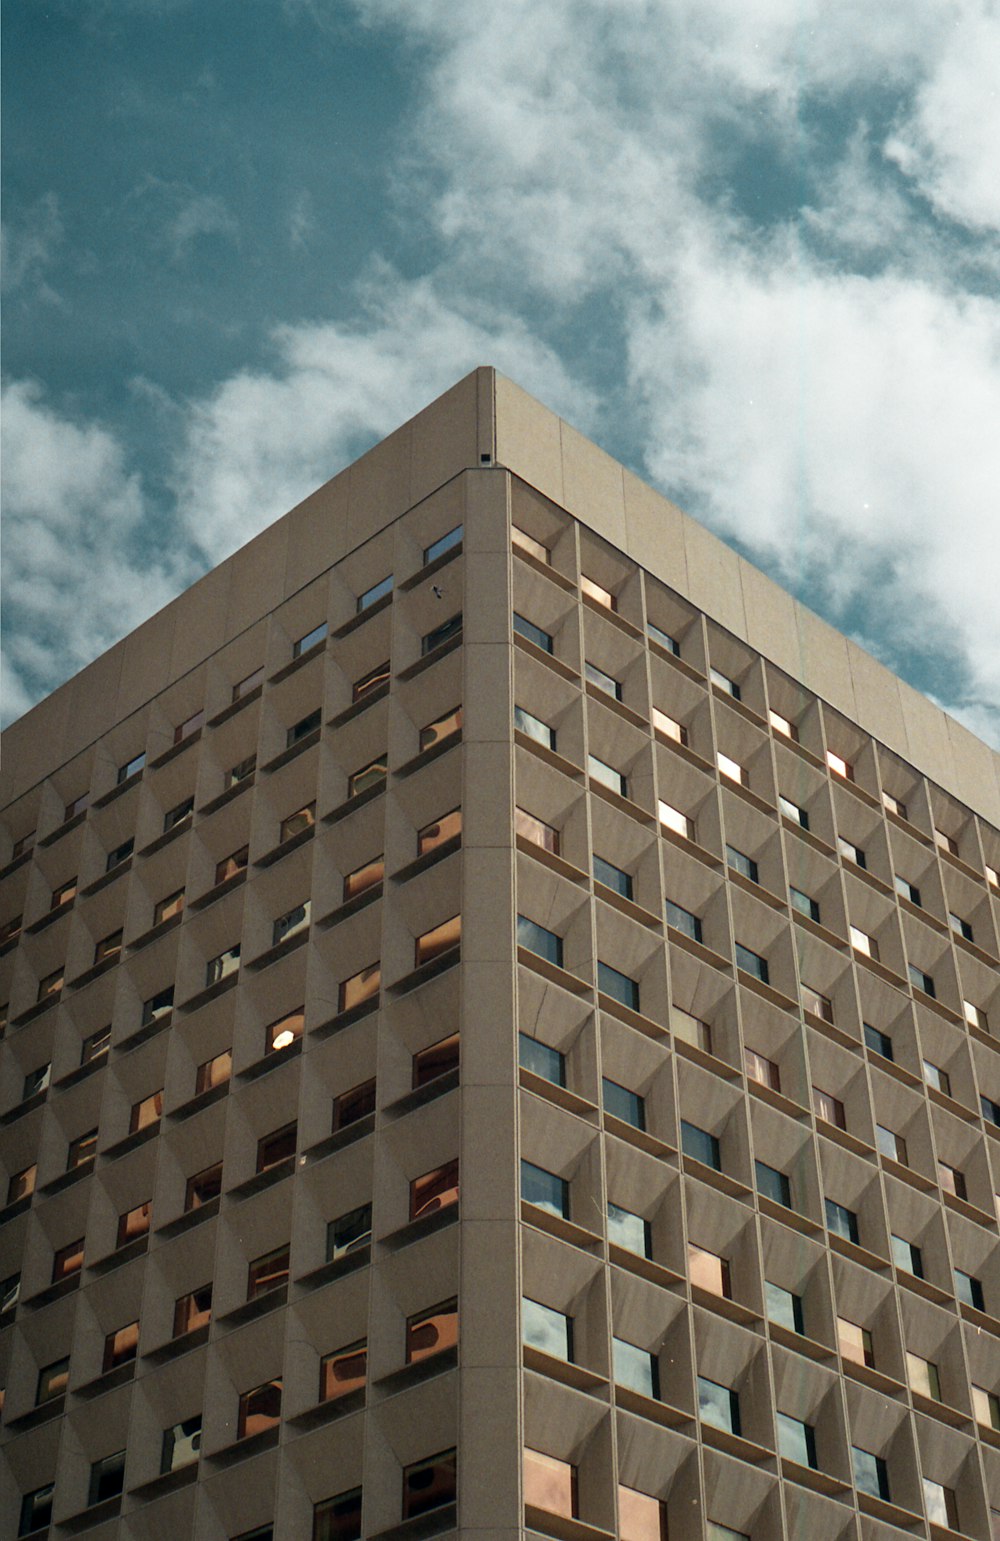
(725, 683)
(613, 877)
(804, 903)
(741, 863)
(991, 1110)
(871, 1475)
(774, 1185)
(664, 639)
(783, 1307)
(534, 938)
(444, 543)
(629, 1231)
(906, 1256)
(623, 1104)
(921, 981)
(622, 989)
(534, 727)
(375, 593)
(542, 1060)
(718, 1405)
(751, 963)
(310, 639)
(636, 1368)
(796, 1440)
(792, 811)
(683, 920)
(879, 1043)
(544, 1189)
(841, 1221)
(701, 1145)
(546, 1329)
(969, 1289)
(532, 633)
(600, 771)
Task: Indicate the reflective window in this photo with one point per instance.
(796, 1440)
(158, 1006)
(217, 969)
(371, 681)
(742, 863)
(214, 1072)
(851, 852)
(546, 1329)
(311, 639)
(878, 1042)
(268, 1272)
(302, 729)
(349, 1232)
(147, 1111)
(361, 987)
(731, 769)
(855, 1343)
(718, 1405)
(295, 823)
(441, 634)
(893, 805)
(276, 1147)
(708, 1271)
(762, 1070)
(534, 728)
(181, 1444)
(190, 725)
(906, 1256)
(283, 1033)
(683, 920)
(871, 1475)
(245, 768)
(669, 726)
(131, 767)
(339, 1518)
(365, 877)
(371, 775)
(193, 1311)
(120, 1346)
(612, 982)
(439, 940)
(343, 1371)
(751, 963)
(67, 1260)
(549, 1484)
(441, 729)
(64, 893)
(597, 592)
(723, 681)
(429, 1484)
(203, 1187)
(231, 865)
(52, 1381)
(245, 686)
(923, 1376)
(447, 827)
(436, 1060)
(95, 1046)
(166, 909)
(259, 1409)
(544, 1189)
(842, 1222)
(535, 938)
(606, 775)
(701, 1145)
(624, 1104)
(671, 819)
(612, 877)
(22, 1184)
(629, 1231)
(177, 815)
(793, 812)
(804, 903)
(432, 1331)
(442, 544)
(81, 1150)
(665, 640)
(290, 924)
(602, 681)
(772, 1184)
(783, 1307)
(134, 1223)
(107, 1478)
(434, 1191)
(532, 633)
(635, 1368)
(829, 1108)
(352, 1106)
(375, 593)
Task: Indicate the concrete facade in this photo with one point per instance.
(527, 1077)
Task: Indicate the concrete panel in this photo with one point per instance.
(655, 532)
(317, 533)
(824, 663)
(445, 438)
(257, 580)
(36, 743)
(977, 770)
(714, 578)
(200, 627)
(593, 486)
(770, 619)
(379, 486)
(876, 692)
(486, 415)
(487, 711)
(926, 736)
(487, 510)
(528, 439)
(146, 664)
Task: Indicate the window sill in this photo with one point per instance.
(95, 1514)
(552, 972)
(351, 804)
(421, 1095)
(329, 1411)
(249, 1310)
(175, 1348)
(261, 1180)
(432, 752)
(435, 1523)
(377, 693)
(560, 1095)
(426, 971)
(286, 847)
(189, 1219)
(168, 836)
(295, 664)
(562, 1527)
(340, 1139)
(270, 1061)
(428, 859)
(421, 1370)
(228, 795)
(235, 707)
(430, 568)
(280, 950)
(49, 918)
(634, 1262)
(292, 751)
(242, 1449)
(564, 1370)
(361, 616)
(209, 993)
(427, 660)
(346, 1018)
(634, 1018)
(651, 1408)
(566, 1230)
(337, 1268)
(175, 749)
(154, 933)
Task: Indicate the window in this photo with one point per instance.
(371, 681)
(431, 1331)
(10, 929)
(683, 920)
(724, 683)
(436, 1060)
(990, 1110)
(532, 633)
(22, 1184)
(95, 1046)
(717, 1532)
(338, 1519)
(245, 686)
(343, 1371)
(181, 1444)
(290, 924)
(993, 877)
(441, 634)
(907, 889)
(602, 681)
(131, 767)
(545, 1190)
(960, 927)
(81, 1150)
(629, 1231)
(669, 727)
(535, 939)
(274, 1148)
(640, 1517)
(245, 768)
(718, 1405)
(731, 769)
(751, 963)
(533, 728)
(145, 1112)
(708, 1271)
(945, 842)
(940, 1503)
(374, 594)
(448, 827)
(894, 805)
(365, 877)
(191, 725)
(796, 1440)
(26, 843)
(839, 766)
(851, 852)
(665, 640)
(670, 818)
(442, 544)
(67, 1260)
(158, 1006)
(36, 1081)
(36, 1509)
(10, 1292)
(121, 853)
(546, 1329)
(283, 1033)
(906, 1256)
(311, 639)
(969, 1290)
(220, 968)
(51, 985)
(878, 1042)
(842, 1222)
(701, 1145)
(596, 592)
(434, 1191)
(532, 829)
(259, 1409)
(302, 729)
(986, 1407)
(863, 943)
(606, 775)
(522, 541)
(762, 1070)
(439, 940)
(268, 1272)
(855, 1342)
(108, 947)
(772, 1184)
(231, 865)
(429, 1483)
(951, 1179)
(793, 812)
(612, 877)
(166, 909)
(923, 1376)
(107, 1478)
(783, 1308)
(618, 986)
(371, 775)
(635, 1368)
(441, 729)
(974, 1016)
(541, 1060)
(133, 1224)
(803, 903)
(891, 1144)
(214, 1072)
(179, 814)
(203, 1187)
(742, 864)
(549, 1484)
(819, 1005)
(194, 1310)
(349, 1232)
(64, 893)
(52, 1381)
(296, 823)
(782, 725)
(623, 1104)
(362, 986)
(829, 1108)
(352, 1106)
(871, 1475)
(120, 1347)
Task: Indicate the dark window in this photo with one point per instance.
(274, 1148)
(134, 1223)
(610, 981)
(195, 1310)
(535, 938)
(120, 1347)
(773, 1184)
(701, 1145)
(301, 729)
(752, 963)
(544, 1189)
(371, 775)
(878, 1042)
(291, 924)
(349, 1232)
(67, 1260)
(203, 1187)
(244, 769)
(742, 863)
(969, 1290)
(429, 1483)
(434, 1190)
(36, 1509)
(624, 1104)
(351, 1106)
(436, 1060)
(81, 1150)
(907, 889)
(177, 815)
(339, 1518)
(267, 1272)
(842, 1222)
(107, 1478)
(541, 1060)
(158, 1006)
(259, 1409)
(921, 981)
(119, 854)
(52, 1381)
(613, 877)
(683, 920)
(441, 634)
(525, 628)
(37, 1080)
(804, 903)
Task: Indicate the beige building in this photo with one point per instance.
(501, 1039)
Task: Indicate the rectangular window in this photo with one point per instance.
(434, 1190)
(302, 729)
(772, 1184)
(448, 827)
(245, 686)
(441, 634)
(906, 1256)
(974, 1016)
(371, 775)
(623, 1104)
(158, 1006)
(259, 1409)
(612, 877)
(782, 725)
(936, 1077)
(986, 1407)
(432, 1331)
(533, 728)
(290, 924)
(689, 1029)
(877, 1041)
(339, 1518)
(839, 765)
(851, 852)
(751, 963)
(131, 767)
(349, 1232)
(363, 878)
(268, 1272)
(855, 1343)
(993, 877)
(793, 812)
(442, 544)
(960, 927)
(274, 1148)
(863, 943)
(295, 823)
(923, 1376)
(536, 939)
(829, 1108)
(669, 726)
(371, 681)
(95, 1046)
(214, 1072)
(762, 1070)
(842, 1222)
(36, 1509)
(541, 1060)
(178, 815)
(549, 1484)
(804, 903)
(546, 1329)
(783, 1307)
(10, 929)
(193, 1311)
(606, 775)
(231, 865)
(63, 894)
(245, 769)
(67, 1260)
(352, 1106)
(134, 1223)
(121, 853)
(945, 842)
(343, 1371)
(629, 1231)
(362, 986)
(907, 889)
(894, 805)
(147, 1111)
(731, 769)
(52, 1381)
(891, 1144)
(108, 947)
(635, 1368)
(718, 1405)
(610, 981)
(602, 681)
(203, 1187)
(522, 541)
(717, 1532)
(701, 1145)
(640, 1517)
(429, 1484)
(742, 864)
(374, 594)
(532, 633)
(284, 1032)
(663, 638)
(37, 1081)
(51, 985)
(724, 683)
(190, 725)
(217, 969)
(969, 1290)
(819, 1005)
(544, 1189)
(598, 593)
(26, 843)
(437, 1059)
(708, 1271)
(441, 729)
(120, 1347)
(796, 1440)
(81, 1150)
(166, 909)
(10, 1292)
(951, 1180)
(181, 1444)
(22, 1184)
(990, 1110)
(671, 818)
(941, 1504)
(683, 920)
(439, 940)
(107, 1478)
(311, 639)
(535, 830)
(871, 1475)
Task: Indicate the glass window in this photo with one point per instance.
(602, 681)
(683, 920)
(762, 1070)
(782, 725)
(302, 729)
(804, 903)
(718, 1405)
(549, 1484)
(364, 877)
(349, 1232)
(120, 1347)
(363, 986)
(724, 683)
(190, 725)
(819, 1005)
(871, 1475)
(612, 877)
(339, 1518)
(936, 1077)
(429, 1484)
(51, 985)
(536, 831)
(863, 943)
(829, 1108)
(546, 1329)
(375, 593)
(923, 1376)
(274, 1148)
(352, 1106)
(134, 1223)
(629, 1231)
(178, 815)
(960, 927)
(598, 593)
(343, 1371)
(969, 1290)
(158, 1006)
(665, 640)
(635, 1368)
(436, 1060)
(796, 1440)
(945, 842)
(783, 1307)
(284, 1032)
(245, 686)
(268, 1272)
(669, 726)
(689, 1029)
(878, 1042)
(108, 947)
(432, 1331)
(259, 1409)
(167, 908)
(731, 769)
(839, 765)
(26, 843)
(36, 1509)
(441, 729)
(107, 1478)
(524, 542)
(10, 1292)
(81, 1150)
(311, 639)
(793, 812)
(906, 1256)
(544, 1189)
(434, 1190)
(717, 1532)
(533, 728)
(640, 1517)
(372, 680)
(296, 823)
(624, 1104)
(907, 889)
(52, 1381)
(893, 805)
(290, 924)
(442, 544)
(708, 1271)
(37, 1081)
(921, 981)
(890, 1144)
(448, 827)
(217, 969)
(772, 1184)
(611, 982)
(532, 633)
(990, 1110)
(855, 1343)
(671, 819)
(975, 1016)
(10, 929)
(441, 634)
(67, 1260)
(214, 1072)
(742, 864)
(95, 1046)
(147, 1111)
(541, 1059)
(231, 865)
(986, 1407)
(203, 1187)
(22, 1184)
(752, 963)
(951, 1179)
(245, 768)
(701, 1145)
(131, 767)
(181, 1444)
(851, 852)
(121, 853)
(535, 938)
(606, 775)
(195, 1310)
(371, 775)
(941, 1504)
(64, 893)
(439, 940)
(842, 1222)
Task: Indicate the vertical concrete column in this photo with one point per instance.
(489, 1342)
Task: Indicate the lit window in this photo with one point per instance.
(669, 726)
(546, 1329)
(536, 831)
(302, 729)
(22, 1184)
(310, 640)
(544, 1189)
(296, 823)
(64, 893)
(839, 765)
(951, 1179)
(671, 818)
(877, 1041)
(894, 805)
(244, 769)
(146, 1112)
(602, 681)
(960, 927)
(220, 968)
(772, 1184)
(906, 1256)
(166, 909)
(536, 939)
(708, 1271)
(701, 1145)
(635, 1368)
(371, 775)
(532, 633)
(375, 593)
(67, 1261)
(629, 1231)
(158, 1006)
(338, 1518)
(442, 544)
(612, 877)
(439, 940)
(429, 1484)
(851, 852)
(993, 877)
(680, 919)
(275, 1148)
(783, 1308)
(51, 985)
(181, 1444)
(969, 1290)
(863, 943)
(613, 983)
(623, 1104)
(193, 1311)
(259, 1409)
(804, 903)
(121, 853)
(986, 1407)
(945, 842)
(434, 1191)
(690, 1029)
(730, 768)
(441, 634)
(742, 863)
(752, 963)
(923, 1376)
(762, 1070)
(432, 1331)
(782, 725)
(941, 1504)
(363, 878)
(214, 1072)
(343, 1371)
(243, 687)
(829, 1108)
(606, 775)
(203, 1187)
(290, 924)
(718, 1405)
(133, 1223)
(178, 815)
(441, 729)
(268, 1272)
(81, 1150)
(436, 1060)
(349, 1232)
(284, 1032)
(120, 1347)
(793, 812)
(855, 1343)
(796, 1440)
(975, 1016)
(78, 805)
(191, 725)
(371, 681)
(596, 592)
(819, 1005)
(362, 986)
(663, 639)
(534, 728)
(447, 827)
(724, 683)
(524, 542)
(352, 1106)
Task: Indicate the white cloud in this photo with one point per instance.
(28, 249)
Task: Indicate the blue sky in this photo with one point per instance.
(750, 246)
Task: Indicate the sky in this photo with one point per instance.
(752, 247)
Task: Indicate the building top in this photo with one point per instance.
(486, 419)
